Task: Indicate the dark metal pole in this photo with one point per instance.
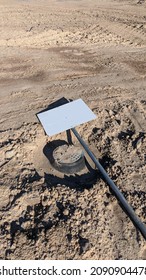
(129, 210)
(69, 138)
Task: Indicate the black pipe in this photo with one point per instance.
(129, 210)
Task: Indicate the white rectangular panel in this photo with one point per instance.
(65, 117)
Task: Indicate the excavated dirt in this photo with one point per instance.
(94, 50)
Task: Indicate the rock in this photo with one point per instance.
(66, 212)
(31, 199)
(111, 113)
(26, 225)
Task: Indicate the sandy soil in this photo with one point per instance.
(94, 50)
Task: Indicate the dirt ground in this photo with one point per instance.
(94, 50)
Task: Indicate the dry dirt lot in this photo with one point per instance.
(94, 50)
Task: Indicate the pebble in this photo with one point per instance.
(66, 212)
(111, 113)
(26, 225)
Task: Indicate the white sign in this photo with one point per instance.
(65, 117)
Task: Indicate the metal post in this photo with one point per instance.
(129, 210)
(69, 138)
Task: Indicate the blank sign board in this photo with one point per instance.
(65, 117)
